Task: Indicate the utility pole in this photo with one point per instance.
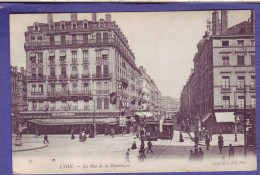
(94, 119)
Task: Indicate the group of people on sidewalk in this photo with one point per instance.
(196, 155)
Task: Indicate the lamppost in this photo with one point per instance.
(236, 121)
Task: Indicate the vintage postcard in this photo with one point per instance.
(132, 92)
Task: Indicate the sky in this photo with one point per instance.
(164, 43)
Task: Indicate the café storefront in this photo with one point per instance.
(64, 122)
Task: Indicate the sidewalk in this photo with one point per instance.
(29, 142)
(228, 138)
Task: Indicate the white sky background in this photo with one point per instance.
(163, 42)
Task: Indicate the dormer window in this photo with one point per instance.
(101, 23)
(63, 26)
(51, 26)
(85, 25)
(74, 25)
(35, 26)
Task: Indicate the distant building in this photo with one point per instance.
(169, 104)
(222, 85)
(18, 95)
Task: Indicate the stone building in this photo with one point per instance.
(220, 93)
(81, 74)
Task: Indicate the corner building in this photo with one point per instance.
(80, 72)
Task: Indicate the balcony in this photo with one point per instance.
(102, 91)
(36, 93)
(101, 61)
(52, 63)
(63, 77)
(85, 76)
(102, 76)
(85, 61)
(124, 81)
(52, 77)
(80, 92)
(37, 78)
(74, 76)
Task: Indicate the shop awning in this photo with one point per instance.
(206, 117)
(148, 114)
(50, 122)
(225, 117)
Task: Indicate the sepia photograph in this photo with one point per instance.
(133, 92)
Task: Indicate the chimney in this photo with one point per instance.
(224, 21)
(252, 21)
(215, 23)
(73, 17)
(108, 17)
(94, 17)
(49, 17)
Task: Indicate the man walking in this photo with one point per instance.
(231, 151)
(45, 139)
(149, 147)
(207, 142)
(220, 143)
(196, 138)
(127, 155)
(200, 154)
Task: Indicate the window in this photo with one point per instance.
(74, 26)
(105, 57)
(106, 87)
(240, 42)
(40, 88)
(98, 71)
(240, 101)
(57, 39)
(74, 70)
(241, 82)
(33, 59)
(85, 24)
(39, 38)
(85, 69)
(53, 88)
(33, 72)
(63, 26)
(33, 87)
(40, 72)
(105, 37)
(240, 60)
(106, 103)
(226, 101)
(99, 86)
(253, 101)
(225, 82)
(252, 42)
(253, 81)
(225, 43)
(98, 55)
(106, 70)
(85, 55)
(52, 59)
(98, 37)
(86, 88)
(252, 60)
(86, 105)
(225, 60)
(74, 88)
(34, 105)
(74, 56)
(64, 88)
(52, 71)
(63, 71)
(99, 103)
(63, 57)
(52, 26)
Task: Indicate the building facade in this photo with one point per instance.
(220, 93)
(18, 95)
(80, 72)
(169, 104)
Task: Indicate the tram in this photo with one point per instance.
(151, 130)
(167, 129)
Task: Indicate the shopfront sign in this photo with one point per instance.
(122, 121)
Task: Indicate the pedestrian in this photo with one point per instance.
(72, 134)
(46, 139)
(137, 133)
(200, 155)
(220, 143)
(80, 136)
(36, 133)
(134, 145)
(127, 155)
(191, 156)
(142, 151)
(149, 147)
(142, 143)
(196, 153)
(231, 151)
(141, 156)
(112, 132)
(181, 137)
(196, 138)
(142, 133)
(207, 142)
(210, 135)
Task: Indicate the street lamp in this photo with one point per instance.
(236, 121)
